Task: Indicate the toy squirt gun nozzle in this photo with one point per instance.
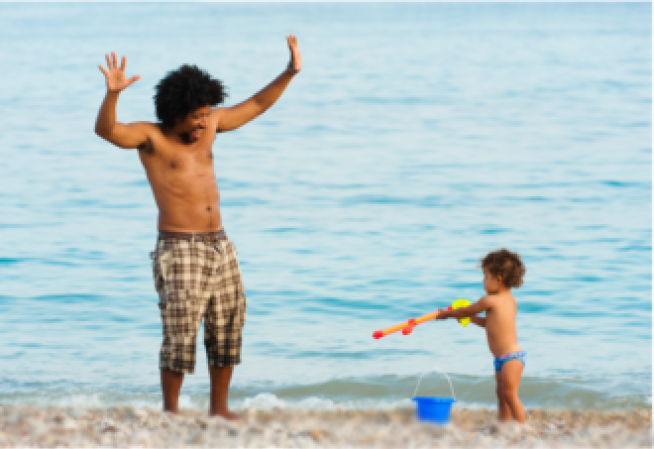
(408, 326)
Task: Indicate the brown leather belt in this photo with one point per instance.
(194, 236)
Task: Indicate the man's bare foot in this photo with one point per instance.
(227, 415)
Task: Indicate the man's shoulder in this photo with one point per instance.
(217, 115)
(147, 126)
(218, 111)
(149, 130)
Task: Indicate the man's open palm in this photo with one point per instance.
(295, 63)
(115, 76)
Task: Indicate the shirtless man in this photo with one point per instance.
(195, 266)
(503, 270)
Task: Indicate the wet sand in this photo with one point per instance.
(25, 426)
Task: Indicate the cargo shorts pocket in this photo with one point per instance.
(162, 268)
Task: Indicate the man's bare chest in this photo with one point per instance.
(197, 162)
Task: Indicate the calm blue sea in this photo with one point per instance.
(417, 138)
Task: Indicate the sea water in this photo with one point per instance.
(416, 139)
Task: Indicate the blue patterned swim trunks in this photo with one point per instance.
(500, 361)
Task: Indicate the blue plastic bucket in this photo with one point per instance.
(434, 409)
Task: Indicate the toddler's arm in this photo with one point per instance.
(468, 312)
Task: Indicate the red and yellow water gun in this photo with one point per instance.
(407, 327)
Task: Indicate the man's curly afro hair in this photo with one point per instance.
(185, 90)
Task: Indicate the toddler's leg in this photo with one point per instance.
(511, 373)
(503, 410)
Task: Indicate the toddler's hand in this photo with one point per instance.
(441, 314)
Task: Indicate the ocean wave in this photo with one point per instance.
(382, 392)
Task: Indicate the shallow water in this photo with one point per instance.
(416, 139)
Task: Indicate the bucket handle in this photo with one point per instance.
(430, 371)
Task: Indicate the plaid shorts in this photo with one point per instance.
(195, 281)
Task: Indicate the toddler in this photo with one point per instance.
(503, 270)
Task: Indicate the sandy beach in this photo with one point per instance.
(25, 426)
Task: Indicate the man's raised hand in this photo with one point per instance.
(295, 64)
(115, 76)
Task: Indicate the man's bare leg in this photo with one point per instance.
(511, 373)
(220, 380)
(171, 385)
(503, 410)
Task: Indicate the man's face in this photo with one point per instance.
(195, 123)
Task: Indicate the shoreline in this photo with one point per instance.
(22, 426)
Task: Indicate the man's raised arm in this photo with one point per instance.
(106, 126)
(237, 116)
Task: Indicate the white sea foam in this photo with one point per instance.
(267, 401)
(261, 401)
